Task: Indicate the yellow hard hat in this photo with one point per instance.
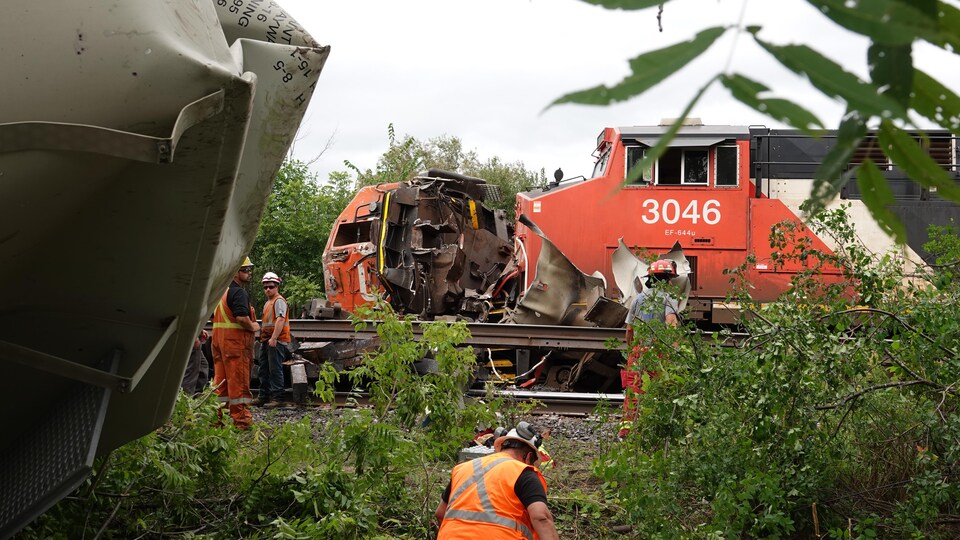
(246, 262)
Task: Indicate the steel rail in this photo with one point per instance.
(562, 403)
(558, 403)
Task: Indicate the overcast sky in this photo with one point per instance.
(485, 70)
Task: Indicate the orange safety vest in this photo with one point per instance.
(225, 325)
(270, 321)
(483, 504)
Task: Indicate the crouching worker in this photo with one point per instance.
(499, 496)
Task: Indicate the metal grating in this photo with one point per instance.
(53, 459)
(941, 149)
(870, 149)
(491, 192)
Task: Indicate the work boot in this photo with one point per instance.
(257, 402)
(271, 404)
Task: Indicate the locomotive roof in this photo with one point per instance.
(726, 132)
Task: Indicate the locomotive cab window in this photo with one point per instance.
(683, 166)
(634, 157)
(727, 165)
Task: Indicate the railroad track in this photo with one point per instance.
(556, 403)
(530, 336)
(561, 403)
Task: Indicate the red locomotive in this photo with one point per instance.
(717, 191)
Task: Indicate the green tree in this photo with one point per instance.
(295, 228)
(511, 177)
(402, 160)
(408, 156)
(896, 94)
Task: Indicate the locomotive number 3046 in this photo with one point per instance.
(668, 211)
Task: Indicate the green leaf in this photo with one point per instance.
(653, 154)
(877, 197)
(949, 21)
(831, 79)
(748, 91)
(905, 153)
(935, 101)
(892, 22)
(891, 69)
(626, 4)
(830, 175)
(648, 70)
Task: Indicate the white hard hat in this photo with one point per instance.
(525, 433)
(270, 276)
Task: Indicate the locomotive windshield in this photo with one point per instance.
(601, 165)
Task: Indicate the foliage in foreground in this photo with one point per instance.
(355, 473)
(837, 418)
(336, 474)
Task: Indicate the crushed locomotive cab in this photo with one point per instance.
(429, 244)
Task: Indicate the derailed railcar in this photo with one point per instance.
(716, 192)
(138, 145)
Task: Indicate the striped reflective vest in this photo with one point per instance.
(483, 503)
(225, 325)
(270, 321)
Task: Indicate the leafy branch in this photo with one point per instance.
(896, 384)
(896, 318)
(894, 95)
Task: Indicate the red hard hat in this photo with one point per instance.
(663, 267)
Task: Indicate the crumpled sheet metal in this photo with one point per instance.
(560, 293)
(443, 250)
(630, 273)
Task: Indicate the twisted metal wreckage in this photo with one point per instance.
(434, 249)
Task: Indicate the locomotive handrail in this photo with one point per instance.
(583, 338)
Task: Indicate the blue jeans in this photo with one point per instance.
(271, 371)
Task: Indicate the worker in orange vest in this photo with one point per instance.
(274, 342)
(500, 496)
(234, 326)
